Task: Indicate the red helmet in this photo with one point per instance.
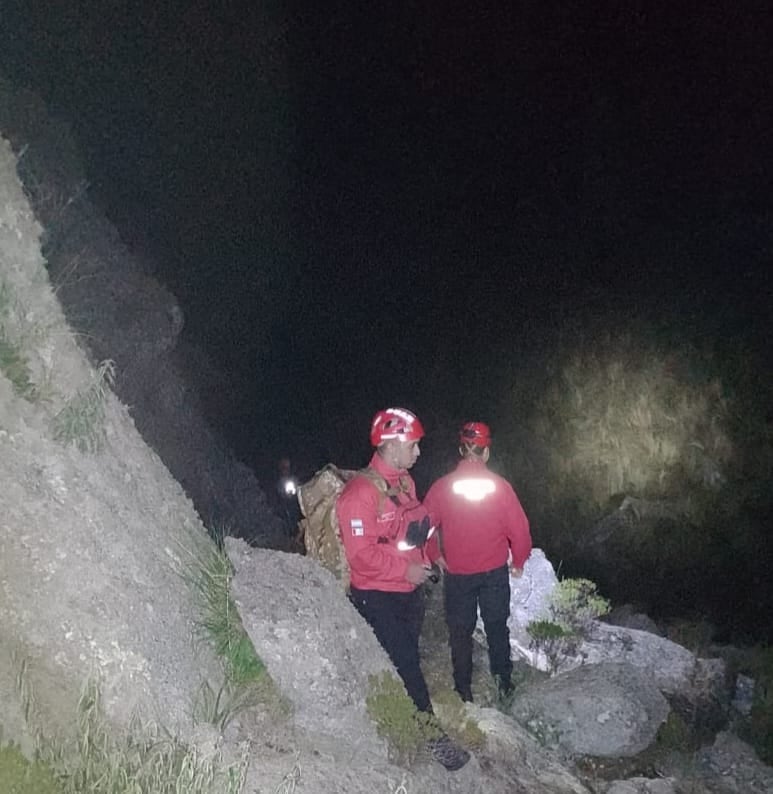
(475, 433)
(395, 423)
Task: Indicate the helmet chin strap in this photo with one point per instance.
(395, 456)
(466, 451)
(388, 454)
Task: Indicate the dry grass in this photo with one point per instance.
(81, 421)
(145, 760)
(623, 419)
(14, 363)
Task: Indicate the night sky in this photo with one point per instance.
(358, 204)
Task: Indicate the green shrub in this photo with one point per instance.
(546, 631)
(81, 421)
(18, 775)
(675, 734)
(574, 604)
(695, 635)
(552, 640)
(397, 720)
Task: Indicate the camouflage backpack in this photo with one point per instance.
(319, 525)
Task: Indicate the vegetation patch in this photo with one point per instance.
(146, 759)
(15, 367)
(13, 363)
(757, 728)
(573, 605)
(210, 576)
(552, 641)
(247, 683)
(19, 775)
(675, 734)
(679, 424)
(629, 415)
(397, 719)
(82, 419)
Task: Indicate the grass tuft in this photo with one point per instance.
(13, 363)
(16, 368)
(145, 760)
(247, 684)
(210, 578)
(19, 775)
(82, 419)
(289, 782)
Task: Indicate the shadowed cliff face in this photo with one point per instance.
(121, 313)
(86, 586)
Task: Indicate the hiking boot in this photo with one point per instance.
(505, 687)
(465, 693)
(446, 752)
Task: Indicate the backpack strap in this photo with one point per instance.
(385, 490)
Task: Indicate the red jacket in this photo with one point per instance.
(480, 519)
(371, 525)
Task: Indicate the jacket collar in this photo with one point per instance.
(384, 469)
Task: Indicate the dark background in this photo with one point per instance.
(359, 207)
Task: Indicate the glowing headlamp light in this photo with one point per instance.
(290, 487)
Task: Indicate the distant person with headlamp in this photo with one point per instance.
(384, 529)
(287, 498)
(484, 535)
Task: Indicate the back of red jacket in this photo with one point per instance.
(480, 519)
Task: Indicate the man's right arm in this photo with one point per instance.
(433, 548)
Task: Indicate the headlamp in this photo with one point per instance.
(290, 487)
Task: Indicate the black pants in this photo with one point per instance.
(463, 594)
(396, 620)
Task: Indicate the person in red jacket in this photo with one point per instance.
(482, 527)
(384, 529)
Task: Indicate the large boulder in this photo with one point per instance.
(607, 710)
(317, 648)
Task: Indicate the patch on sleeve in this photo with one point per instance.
(357, 529)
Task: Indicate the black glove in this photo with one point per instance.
(417, 533)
